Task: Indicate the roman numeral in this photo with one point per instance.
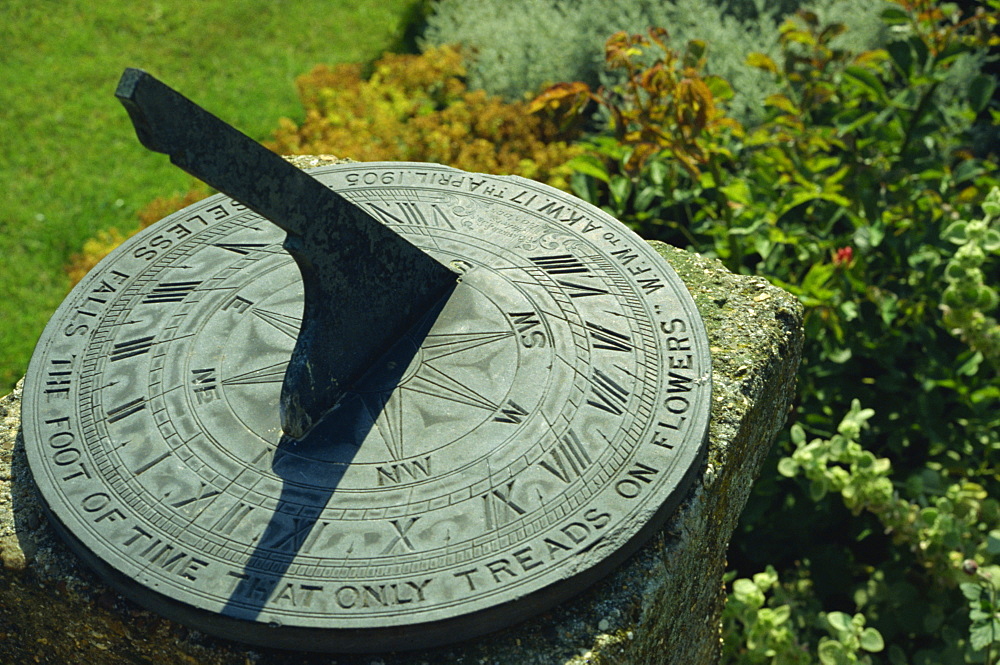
(559, 264)
(131, 348)
(581, 290)
(169, 292)
(153, 462)
(401, 535)
(512, 413)
(241, 248)
(605, 338)
(412, 214)
(568, 459)
(296, 537)
(607, 394)
(498, 506)
(232, 518)
(127, 409)
(203, 493)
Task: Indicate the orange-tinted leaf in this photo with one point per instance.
(561, 95)
(660, 36)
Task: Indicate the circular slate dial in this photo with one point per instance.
(519, 441)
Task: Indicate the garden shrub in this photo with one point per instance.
(409, 108)
(417, 108)
(517, 46)
(859, 193)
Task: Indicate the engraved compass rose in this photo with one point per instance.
(370, 407)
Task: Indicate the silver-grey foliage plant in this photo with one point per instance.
(515, 47)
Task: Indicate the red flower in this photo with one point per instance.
(843, 256)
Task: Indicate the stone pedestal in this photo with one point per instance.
(662, 607)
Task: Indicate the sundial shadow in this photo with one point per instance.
(311, 469)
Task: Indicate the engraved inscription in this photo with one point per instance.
(606, 338)
(131, 348)
(567, 459)
(559, 264)
(403, 472)
(513, 413)
(127, 409)
(57, 382)
(499, 508)
(205, 384)
(169, 292)
(606, 393)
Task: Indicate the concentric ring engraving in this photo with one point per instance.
(519, 441)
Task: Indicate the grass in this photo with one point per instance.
(70, 163)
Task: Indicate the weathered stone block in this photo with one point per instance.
(661, 607)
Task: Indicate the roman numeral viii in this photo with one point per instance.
(568, 459)
(605, 338)
(607, 394)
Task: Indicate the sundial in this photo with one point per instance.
(375, 406)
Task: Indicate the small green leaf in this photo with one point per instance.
(902, 55)
(991, 240)
(840, 621)
(970, 368)
(746, 591)
(840, 356)
(895, 16)
(797, 434)
(955, 232)
(783, 103)
(788, 467)
(984, 634)
(657, 171)
(981, 91)
(620, 187)
(993, 541)
(971, 591)
(832, 652)
(871, 640)
(590, 165)
(644, 198)
(737, 190)
(868, 80)
(719, 87)
(817, 276)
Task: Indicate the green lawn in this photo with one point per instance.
(69, 160)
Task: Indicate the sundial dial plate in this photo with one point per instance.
(518, 442)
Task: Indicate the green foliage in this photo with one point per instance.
(767, 622)
(417, 108)
(667, 108)
(849, 638)
(760, 629)
(70, 162)
(518, 46)
(859, 193)
(983, 596)
(968, 299)
(410, 108)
